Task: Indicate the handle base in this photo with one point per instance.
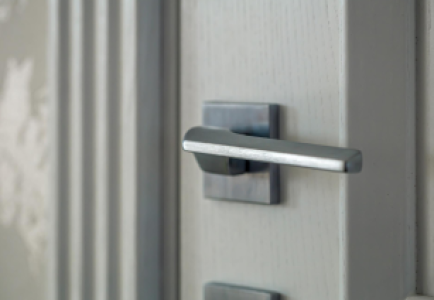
(245, 181)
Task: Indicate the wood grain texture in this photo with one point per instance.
(425, 146)
(283, 52)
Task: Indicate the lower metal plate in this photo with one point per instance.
(218, 291)
(261, 185)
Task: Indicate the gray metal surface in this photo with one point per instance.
(219, 291)
(260, 186)
(219, 144)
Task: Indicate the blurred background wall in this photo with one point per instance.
(23, 149)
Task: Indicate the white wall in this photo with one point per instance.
(23, 149)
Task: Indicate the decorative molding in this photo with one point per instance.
(111, 150)
(58, 82)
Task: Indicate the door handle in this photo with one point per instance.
(239, 150)
(223, 152)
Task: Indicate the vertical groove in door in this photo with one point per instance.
(81, 147)
(114, 100)
(141, 150)
(58, 77)
(107, 124)
(102, 168)
(170, 128)
(88, 178)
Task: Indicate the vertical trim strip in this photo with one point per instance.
(76, 140)
(378, 114)
(129, 176)
(81, 147)
(141, 157)
(101, 156)
(58, 52)
(107, 146)
(149, 150)
(170, 146)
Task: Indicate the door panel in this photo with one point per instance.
(283, 52)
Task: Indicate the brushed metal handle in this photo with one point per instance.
(221, 151)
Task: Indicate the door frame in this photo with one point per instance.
(378, 116)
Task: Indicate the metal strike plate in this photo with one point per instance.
(261, 184)
(218, 291)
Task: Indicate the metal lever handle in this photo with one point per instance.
(221, 151)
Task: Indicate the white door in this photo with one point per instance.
(342, 74)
